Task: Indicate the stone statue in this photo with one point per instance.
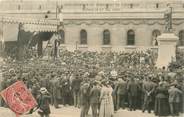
(168, 19)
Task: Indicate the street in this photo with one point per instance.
(74, 112)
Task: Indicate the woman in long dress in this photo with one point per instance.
(106, 105)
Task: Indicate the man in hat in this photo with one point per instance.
(121, 90)
(43, 103)
(94, 98)
(174, 99)
(35, 89)
(84, 99)
(55, 90)
(148, 89)
(35, 92)
(75, 89)
(132, 88)
(65, 90)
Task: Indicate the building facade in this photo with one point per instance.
(96, 25)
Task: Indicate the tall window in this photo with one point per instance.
(40, 7)
(155, 34)
(106, 37)
(83, 37)
(19, 7)
(83, 7)
(157, 5)
(181, 38)
(131, 5)
(130, 37)
(62, 36)
(107, 7)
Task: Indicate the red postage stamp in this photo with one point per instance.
(18, 98)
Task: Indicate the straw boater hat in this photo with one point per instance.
(11, 70)
(43, 90)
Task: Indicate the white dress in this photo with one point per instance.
(106, 106)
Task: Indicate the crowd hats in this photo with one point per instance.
(173, 84)
(43, 90)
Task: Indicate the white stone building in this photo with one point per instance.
(115, 25)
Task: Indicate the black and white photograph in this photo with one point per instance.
(91, 58)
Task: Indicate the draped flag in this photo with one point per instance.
(18, 98)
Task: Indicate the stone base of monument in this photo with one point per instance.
(166, 49)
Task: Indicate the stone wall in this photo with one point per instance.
(141, 16)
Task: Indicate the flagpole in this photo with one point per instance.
(56, 9)
(2, 36)
(96, 6)
(57, 33)
(57, 14)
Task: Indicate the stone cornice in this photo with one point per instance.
(80, 11)
(89, 15)
(89, 5)
(90, 22)
(120, 22)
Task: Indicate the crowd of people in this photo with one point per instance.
(179, 62)
(106, 82)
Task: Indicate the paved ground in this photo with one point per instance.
(74, 112)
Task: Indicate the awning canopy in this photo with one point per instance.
(10, 25)
(39, 28)
(14, 20)
(31, 24)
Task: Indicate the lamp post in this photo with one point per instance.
(76, 45)
(59, 23)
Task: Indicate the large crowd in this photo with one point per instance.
(106, 82)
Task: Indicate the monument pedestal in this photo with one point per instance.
(166, 49)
